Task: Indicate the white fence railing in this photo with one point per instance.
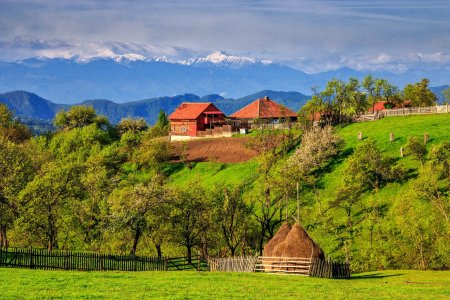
(407, 111)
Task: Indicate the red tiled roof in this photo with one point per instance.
(379, 105)
(263, 108)
(191, 111)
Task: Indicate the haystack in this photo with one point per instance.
(279, 237)
(297, 244)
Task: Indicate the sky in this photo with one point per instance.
(313, 36)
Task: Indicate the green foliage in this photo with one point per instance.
(16, 170)
(131, 125)
(190, 218)
(369, 170)
(133, 208)
(420, 94)
(46, 201)
(96, 192)
(11, 129)
(446, 94)
(417, 148)
(233, 215)
(79, 116)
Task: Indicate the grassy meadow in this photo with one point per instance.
(437, 127)
(401, 284)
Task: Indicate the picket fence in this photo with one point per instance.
(89, 261)
(407, 111)
(281, 265)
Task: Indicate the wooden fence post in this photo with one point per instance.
(425, 138)
(391, 137)
(31, 258)
(359, 136)
(401, 151)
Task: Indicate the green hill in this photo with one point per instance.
(388, 227)
(437, 126)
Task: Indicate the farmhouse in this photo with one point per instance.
(380, 105)
(264, 110)
(192, 120)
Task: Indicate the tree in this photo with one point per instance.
(152, 153)
(131, 125)
(357, 99)
(161, 127)
(232, 214)
(79, 116)
(349, 200)
(100, 176)
(16, 171)
(11, 129)
(312, 110)
(387, 91)
(420, 94)
(45, 201)
(433, 182)
(132, 207)
(417, 148)
(446, 94)
(190, 217)
(318, 145)
(371, 91)
(369, 170)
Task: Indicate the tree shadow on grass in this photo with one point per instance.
(374, 276)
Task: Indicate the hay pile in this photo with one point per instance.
(298, 244)
(277, 239)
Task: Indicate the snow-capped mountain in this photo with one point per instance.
(215, 58)
(221, 58)
(71, 71)
(84, 52)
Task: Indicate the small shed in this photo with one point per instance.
(191, 118)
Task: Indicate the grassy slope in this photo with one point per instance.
(212, 173)
(38, 284)
(437, 127)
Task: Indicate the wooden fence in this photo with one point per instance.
(284, 265)
(407, 111)
(329, 269)
(183, 263)
(281, 265)
(438, 109)
(88, 261)
(233, 264)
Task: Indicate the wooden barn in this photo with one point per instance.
(194, 119)
(264, 110)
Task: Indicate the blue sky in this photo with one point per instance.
(310, 35)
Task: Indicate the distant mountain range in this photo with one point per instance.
(124, 77)
(30, 106)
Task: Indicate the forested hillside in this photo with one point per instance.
(31, 107)
(123, 188)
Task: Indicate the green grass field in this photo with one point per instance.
(437, 127)
(38, 284)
